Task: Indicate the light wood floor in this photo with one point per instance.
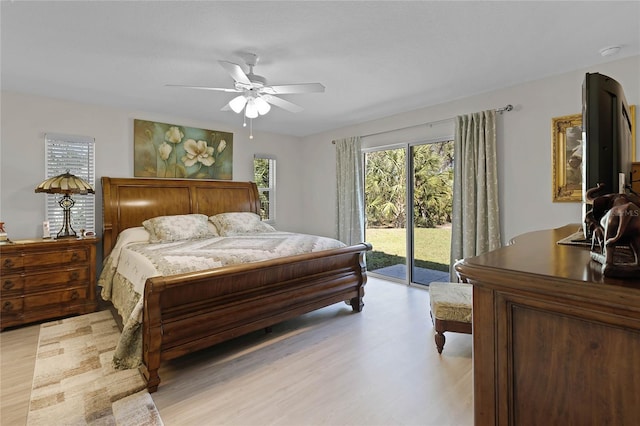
(330, 367)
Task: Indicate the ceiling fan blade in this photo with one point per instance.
(235, 71)
(294, 88)
(216, 89)
(281, 103)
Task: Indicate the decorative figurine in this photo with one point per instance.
(614, 224)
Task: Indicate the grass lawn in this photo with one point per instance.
(432, 247)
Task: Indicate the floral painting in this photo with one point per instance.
(172, 151)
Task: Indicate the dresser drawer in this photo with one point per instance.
(11, 262)
(55, 298)
(61, 278)
(10, 284)
(55, 258)
(10, 307)
(18, 261)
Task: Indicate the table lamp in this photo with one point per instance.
(66, 184)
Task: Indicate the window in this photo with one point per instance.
(264, 170)
(76, 154)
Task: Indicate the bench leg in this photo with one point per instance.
(440, 341)
(440, 326)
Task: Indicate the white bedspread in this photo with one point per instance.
(134, 259)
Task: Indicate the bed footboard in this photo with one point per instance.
(188, 312)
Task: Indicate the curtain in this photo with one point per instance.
(350, 191)
(475, 216)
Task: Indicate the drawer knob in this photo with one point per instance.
(74, 275)
(75, 256)
(7, 285)
(7, 306)
(74, 295)
(8, 263)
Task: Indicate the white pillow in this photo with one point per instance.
(132, 235)
(163, 229)
(239, 223)
(128, 236)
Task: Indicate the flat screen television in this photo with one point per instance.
(606, 127)
(606, 140)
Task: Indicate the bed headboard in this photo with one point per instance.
(127, 202)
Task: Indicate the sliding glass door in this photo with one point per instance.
(432, 190)
(411, 240)
(386, 212)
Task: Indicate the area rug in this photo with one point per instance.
(74, 382)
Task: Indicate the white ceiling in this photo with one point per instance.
(375, 58)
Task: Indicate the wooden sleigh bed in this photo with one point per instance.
(190, 311)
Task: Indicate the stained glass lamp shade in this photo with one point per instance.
(65, 184)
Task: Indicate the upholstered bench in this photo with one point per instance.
(451, 305)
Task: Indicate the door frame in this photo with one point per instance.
(409, 237)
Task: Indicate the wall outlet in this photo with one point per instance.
(46, 232)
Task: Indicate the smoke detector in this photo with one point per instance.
(609, 51)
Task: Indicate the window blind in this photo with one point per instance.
(76, 154)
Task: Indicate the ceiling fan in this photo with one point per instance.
(256, 96)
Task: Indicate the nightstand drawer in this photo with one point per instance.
(55, 298)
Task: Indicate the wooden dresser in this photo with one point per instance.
(43, 279)
(554, 342)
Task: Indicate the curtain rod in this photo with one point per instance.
(508, 107)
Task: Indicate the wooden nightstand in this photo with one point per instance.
(44, 279)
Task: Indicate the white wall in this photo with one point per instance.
(26, 118)
(306, 166)
(524, 152)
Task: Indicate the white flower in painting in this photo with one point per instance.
(173, 135)
(222, 145)
(198, 152)
(164, 150)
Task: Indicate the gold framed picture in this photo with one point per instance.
(634, 154)
(567, 158)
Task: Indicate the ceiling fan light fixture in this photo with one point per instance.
(251, 111)
(237, 104)
(262, 106)
(253, 96)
